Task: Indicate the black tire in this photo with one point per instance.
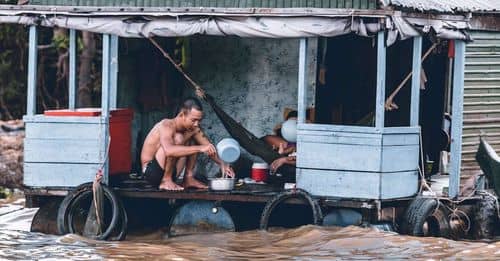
(115, 208)
(426, 217)
(62, 214)
(122, 227)
(485, 217)
(288, 194)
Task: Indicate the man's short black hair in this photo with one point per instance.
(191, 103)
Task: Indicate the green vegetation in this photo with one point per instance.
(52, 69)
(13, 71)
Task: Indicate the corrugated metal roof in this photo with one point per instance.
(355, 4)
(449, 6)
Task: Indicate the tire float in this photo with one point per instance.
(75, 208)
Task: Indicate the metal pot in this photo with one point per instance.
(221, 184)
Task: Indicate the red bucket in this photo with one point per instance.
(260, 171)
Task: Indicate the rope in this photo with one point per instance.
(454, 214)
(198, 90)
(97, 182)
(423, 181)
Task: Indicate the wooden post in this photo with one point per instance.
(105, 103)
(302, 85)
(457, 118)
(381, 64)
(32, 71)
(72, 70)
(415, 81)
(113, 78)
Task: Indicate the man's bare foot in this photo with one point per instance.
(170, 185)
(191, 182)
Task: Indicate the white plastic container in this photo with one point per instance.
(289, 130)
(228, 150)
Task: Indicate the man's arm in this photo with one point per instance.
(201, 139)
(275, 165)
(172, 150)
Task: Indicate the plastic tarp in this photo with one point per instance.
(397, 26)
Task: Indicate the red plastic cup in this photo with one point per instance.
(260, 171)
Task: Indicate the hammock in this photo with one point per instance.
(246, 139)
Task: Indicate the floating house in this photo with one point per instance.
(393, 84)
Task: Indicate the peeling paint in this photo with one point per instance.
(253, 80)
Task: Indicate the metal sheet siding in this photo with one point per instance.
(481, 97)
(356, 4)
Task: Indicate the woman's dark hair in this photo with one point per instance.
(291, 114)
(294, 113)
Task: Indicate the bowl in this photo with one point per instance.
(221, 184)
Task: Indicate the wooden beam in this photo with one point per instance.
(113, 74)
(302, 85)
(105, 104)
(457, 118)
(32, 71)
(72, 70)
(381, 64)
(415, 81)
(200, 10)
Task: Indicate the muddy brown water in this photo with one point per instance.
(303, 243)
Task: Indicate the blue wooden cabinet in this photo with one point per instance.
(358, 162)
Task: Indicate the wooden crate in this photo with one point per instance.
(62, 151)
(357, 162)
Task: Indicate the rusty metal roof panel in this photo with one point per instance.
(349, 4)
(449, 6)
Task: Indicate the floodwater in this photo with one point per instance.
(304, 243)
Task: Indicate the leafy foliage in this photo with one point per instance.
(52, 70)
(13, 60)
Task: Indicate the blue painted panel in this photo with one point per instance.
(339, 183)
(339, 156)
(65, 119)
(339, 138)
(48, 130)
(58, 175)
(400, 139)
(342, 128)
(63, 150)
(399, 184)
(400, 158)
(362, 185)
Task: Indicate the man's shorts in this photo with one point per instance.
(153, 173)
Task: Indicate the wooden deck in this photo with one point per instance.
(258, 193)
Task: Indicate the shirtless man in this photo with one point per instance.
(178, 140)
